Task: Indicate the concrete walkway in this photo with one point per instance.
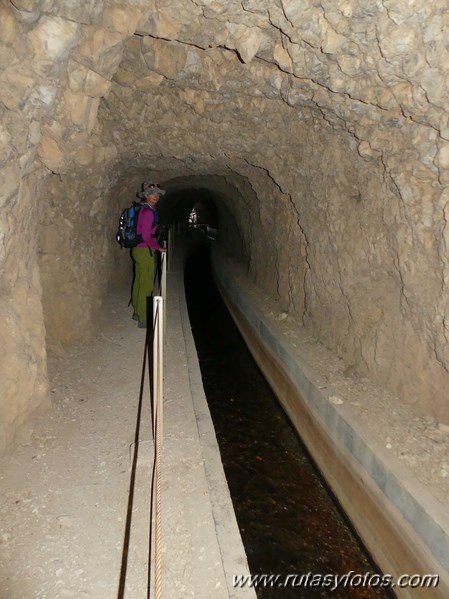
(66, 497)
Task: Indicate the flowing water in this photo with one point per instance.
(289, 521)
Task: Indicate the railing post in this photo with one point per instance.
(158, 317)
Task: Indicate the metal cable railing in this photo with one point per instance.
(157, 393)
(159, 320)
(153, 357)
(156, 390)
(153, 360)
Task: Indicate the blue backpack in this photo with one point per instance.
(126, 235)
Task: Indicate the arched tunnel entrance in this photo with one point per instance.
(178, 207)
(315, 134)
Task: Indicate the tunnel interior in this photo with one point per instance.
(313, 135)
(178, 206)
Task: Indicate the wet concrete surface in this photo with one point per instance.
(289, 521)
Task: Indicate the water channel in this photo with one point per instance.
(289, 521)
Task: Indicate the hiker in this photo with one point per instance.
(143, 254)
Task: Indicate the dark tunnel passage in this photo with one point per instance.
(178, 206)
(289, 521)
(207, 209)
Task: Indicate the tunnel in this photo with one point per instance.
(311, 134)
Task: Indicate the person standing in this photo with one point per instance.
(143, 254)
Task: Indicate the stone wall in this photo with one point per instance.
(56, 59)
(322, 126)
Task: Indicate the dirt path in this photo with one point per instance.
(65, 494)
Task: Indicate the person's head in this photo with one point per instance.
(151, 193)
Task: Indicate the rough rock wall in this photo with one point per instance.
(323, 123)
(336, 115)
(55, 60)
(346, 187)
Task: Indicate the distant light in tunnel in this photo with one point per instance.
(193, 217)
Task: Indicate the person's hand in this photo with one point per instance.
(163, 250)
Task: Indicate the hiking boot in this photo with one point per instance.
(142, 325)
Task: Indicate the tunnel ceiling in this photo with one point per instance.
(320, 127)
(195, 69)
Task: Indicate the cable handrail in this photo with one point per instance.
(158, 332)
(153, 360)
(156, 388)
(156, 392)
(159, 320)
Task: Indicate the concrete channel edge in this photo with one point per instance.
(229, 540)
(403, 526)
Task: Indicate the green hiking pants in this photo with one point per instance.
(143, 280)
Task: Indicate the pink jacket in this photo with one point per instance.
(146, 226)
